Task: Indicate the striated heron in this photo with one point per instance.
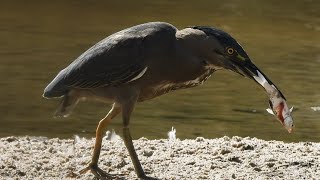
(140, 63)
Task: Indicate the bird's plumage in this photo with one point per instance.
(115, 60)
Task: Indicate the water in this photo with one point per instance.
(282, 38)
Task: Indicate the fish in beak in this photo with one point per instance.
(277, 101)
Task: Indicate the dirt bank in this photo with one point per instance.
(222, 158)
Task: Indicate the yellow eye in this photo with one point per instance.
(230, 51)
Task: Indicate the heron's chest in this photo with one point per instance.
(170, 86)
(166, 86)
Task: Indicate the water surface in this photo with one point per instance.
(282, 38)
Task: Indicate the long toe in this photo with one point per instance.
(99, 173)
(84, 170)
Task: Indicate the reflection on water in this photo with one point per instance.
(282, 37)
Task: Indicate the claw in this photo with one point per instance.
(84, 170)
(99, 173)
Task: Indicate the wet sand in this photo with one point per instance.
(222, 158)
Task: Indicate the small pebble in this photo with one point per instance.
(147, 153)
(199, 139)
(225, 151)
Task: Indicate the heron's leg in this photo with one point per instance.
(93, 166)
(126, 112)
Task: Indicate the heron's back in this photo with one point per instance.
(115, 60)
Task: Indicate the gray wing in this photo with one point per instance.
(115, 60)
(107, 64)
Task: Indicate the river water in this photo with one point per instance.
(282, 38)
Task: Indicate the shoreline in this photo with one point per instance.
(221, 158)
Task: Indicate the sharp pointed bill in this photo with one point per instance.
(264, 83)
(278, 105)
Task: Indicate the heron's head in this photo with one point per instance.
(221, 51)
(218, 49)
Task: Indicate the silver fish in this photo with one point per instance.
(277, 103)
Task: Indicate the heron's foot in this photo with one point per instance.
(99, 173)
(148, 178)
(95, 170)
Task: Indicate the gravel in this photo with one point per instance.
(222, 158)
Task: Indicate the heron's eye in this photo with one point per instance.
(230, 50)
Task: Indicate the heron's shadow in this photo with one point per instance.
(150, 178)
(122, 177)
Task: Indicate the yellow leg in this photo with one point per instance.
(126, 113)
(133, 155)
(103, 124)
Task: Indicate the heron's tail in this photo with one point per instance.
(56, 88)
(69, 101)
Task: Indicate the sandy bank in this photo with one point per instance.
(222, 158)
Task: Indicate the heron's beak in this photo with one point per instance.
(245, 67)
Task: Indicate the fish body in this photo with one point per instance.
(277, 102)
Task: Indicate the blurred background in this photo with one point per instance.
(39, 38)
